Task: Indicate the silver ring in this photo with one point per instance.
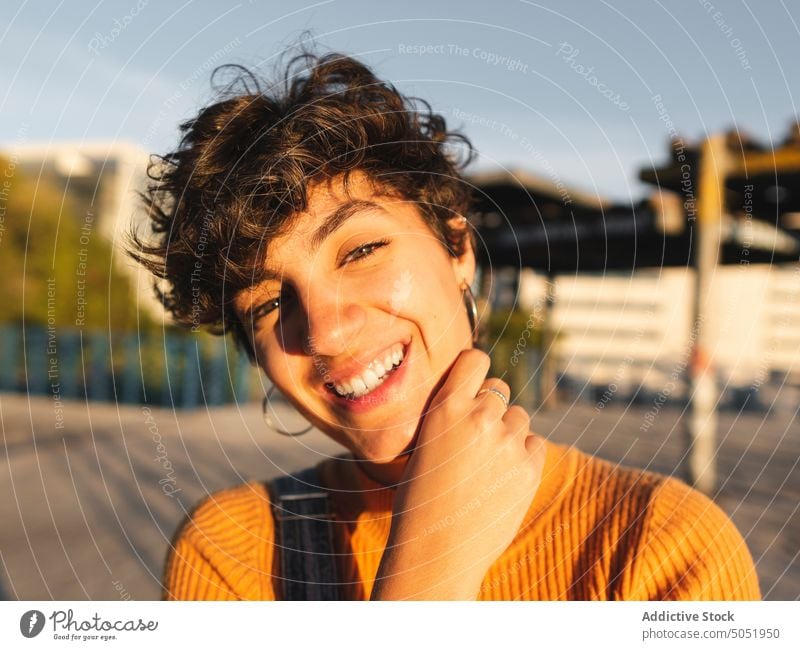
(496, 392)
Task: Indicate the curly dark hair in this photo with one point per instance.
(245, 165)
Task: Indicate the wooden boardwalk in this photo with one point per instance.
(88, 510)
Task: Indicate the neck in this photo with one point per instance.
(388, 474)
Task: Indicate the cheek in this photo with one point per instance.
(391, 288)
(416, 288)
(436, 294)
(280, 368)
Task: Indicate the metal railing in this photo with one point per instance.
(166, 368)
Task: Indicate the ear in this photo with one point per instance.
(464, 265)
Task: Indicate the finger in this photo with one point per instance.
(466, 374)
(496, 384)
(517, 421)
(536, 448)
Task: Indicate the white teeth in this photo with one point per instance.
(358, 386)
(379, 369)
(372, 376)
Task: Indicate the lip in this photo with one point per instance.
(356, 367)
(381, 395)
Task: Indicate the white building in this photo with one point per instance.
(636, 329)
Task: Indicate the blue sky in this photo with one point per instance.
(561, 88)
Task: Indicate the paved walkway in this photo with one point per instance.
(88, 509)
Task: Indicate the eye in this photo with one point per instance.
(365, 250)
(263, 309)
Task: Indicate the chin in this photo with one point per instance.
(385, 447)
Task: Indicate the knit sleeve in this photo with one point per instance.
(224, 549)
(691, 550)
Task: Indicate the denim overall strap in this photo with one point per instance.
(304, 536)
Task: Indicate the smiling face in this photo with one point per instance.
(364, 300)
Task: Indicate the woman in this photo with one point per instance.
(322, 223)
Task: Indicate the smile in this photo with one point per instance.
(373, 376)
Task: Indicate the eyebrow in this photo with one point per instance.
(336, 219)
(330, 225)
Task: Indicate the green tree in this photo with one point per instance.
(50, 273)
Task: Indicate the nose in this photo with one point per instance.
(333, 322)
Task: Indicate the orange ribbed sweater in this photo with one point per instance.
(594, 531)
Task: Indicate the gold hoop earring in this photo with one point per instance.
(472, 310)
(271, 418)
